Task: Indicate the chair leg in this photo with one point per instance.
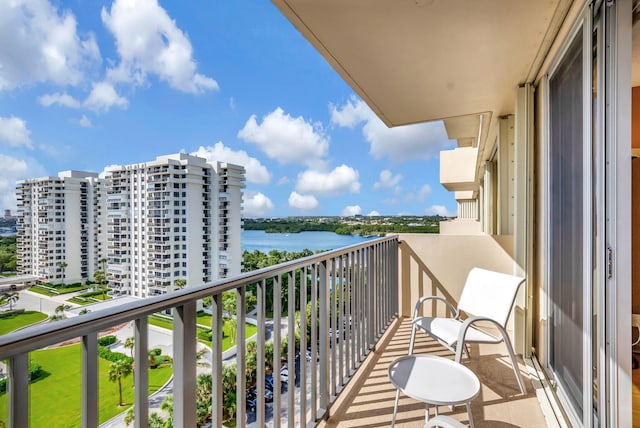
(514, 361)
(395, 409)
(413, 337)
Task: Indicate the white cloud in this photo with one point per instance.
(421, 141)
(424, 192)
(440, 210)
(14, 132)
(108, 169)
(13, 170)
(287, 139)
(283, 180)
(351, 210)
(302, 202)
(63, 99)
(256, 204)
(255, 171)
(149, 42)
(373, 213)
(387, 180)
(41, 44)
(103, 96)
(341, 180)
(85, 122)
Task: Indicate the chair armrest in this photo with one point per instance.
(463, 332)
(442, 299)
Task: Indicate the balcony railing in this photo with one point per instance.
(354, 290)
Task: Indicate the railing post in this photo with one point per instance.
(184, 365)
(260, 371)
(241, 388)
(90, 380)
(333, 338)
(371, 297)
(141, 373)
(277, 385)
(18, 389)
(216, 360)
(291, 348)
(324, 338)
(314, 343)
(303, 346)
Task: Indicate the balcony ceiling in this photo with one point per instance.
(422, 60)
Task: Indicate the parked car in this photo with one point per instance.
(252, 402)
(268, 396)
(284, 373)
(268, 382)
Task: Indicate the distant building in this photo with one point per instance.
(60, 235)
(8, 216)
(151, 226)
(174, 219)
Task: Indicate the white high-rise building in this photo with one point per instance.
(171, 222)
(60, 235)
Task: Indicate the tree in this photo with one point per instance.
(84, 311)
(180, 283)
(59, 312)
(119, 370)
(204, 404)
(62, 266)
(129, 343)
(12, 298)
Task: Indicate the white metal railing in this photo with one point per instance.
(354, 290)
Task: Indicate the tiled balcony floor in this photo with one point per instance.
(368, 400)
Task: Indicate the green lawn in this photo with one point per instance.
(16, 321)
(56, 399)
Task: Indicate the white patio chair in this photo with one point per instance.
(487, 296)
(444, 422)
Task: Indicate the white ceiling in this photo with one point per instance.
(421, 60)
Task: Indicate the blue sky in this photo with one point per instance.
(88, 84)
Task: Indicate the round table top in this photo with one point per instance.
(434, 380)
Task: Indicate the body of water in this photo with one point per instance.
(265, 242)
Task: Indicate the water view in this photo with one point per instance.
(265, 242)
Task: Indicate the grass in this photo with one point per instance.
(41, 290)
(205, 319)
(80, 301)
(56, 291)
(56, 398)
(17, 321)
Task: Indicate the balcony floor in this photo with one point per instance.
(367, 400)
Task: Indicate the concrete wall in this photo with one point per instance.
(439, 264)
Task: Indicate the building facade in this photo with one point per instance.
(60, 235)
(172, 222)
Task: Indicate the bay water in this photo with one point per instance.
(314, 241)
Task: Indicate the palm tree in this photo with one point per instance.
(129, 344)
(62, 266)
(59, 312)
(119, 370)
(12, 298)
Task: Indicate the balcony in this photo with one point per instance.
(363, 290)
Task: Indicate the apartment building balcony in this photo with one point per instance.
(363, 291)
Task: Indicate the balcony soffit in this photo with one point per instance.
(421, 60)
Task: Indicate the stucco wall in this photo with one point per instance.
(439, 264)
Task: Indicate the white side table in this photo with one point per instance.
(435, 381)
